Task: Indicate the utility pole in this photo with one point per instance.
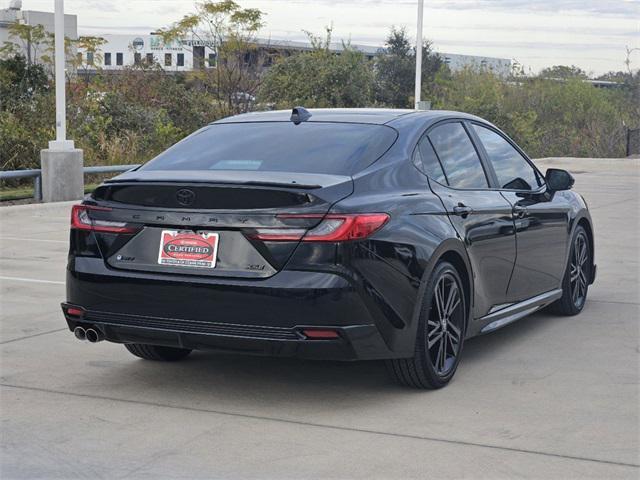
(419, 54)
(62, 175)
(61, 142)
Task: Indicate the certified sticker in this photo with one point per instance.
(188, 249)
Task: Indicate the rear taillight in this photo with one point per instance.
(332, 228)
(80, 220)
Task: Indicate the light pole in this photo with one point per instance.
(61, 163)
(419, 54)
(61, 142)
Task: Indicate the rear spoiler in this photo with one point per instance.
(305, 181)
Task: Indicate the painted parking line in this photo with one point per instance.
(34, 335)
(34, 240)
(30, 280)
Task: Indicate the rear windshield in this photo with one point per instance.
(311, 147)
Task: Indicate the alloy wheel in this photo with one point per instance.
(579, 269)
(445, 324)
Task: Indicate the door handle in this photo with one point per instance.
(519, 211)
(462, 210)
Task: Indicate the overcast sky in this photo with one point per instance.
(591, 34)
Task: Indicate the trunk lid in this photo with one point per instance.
(230, 204)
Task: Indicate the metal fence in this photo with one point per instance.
(36, 174)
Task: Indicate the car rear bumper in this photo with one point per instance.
(262, 317)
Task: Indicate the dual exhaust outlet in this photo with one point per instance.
(89, 334)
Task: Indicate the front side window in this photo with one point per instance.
(512, 169)
(458, 156)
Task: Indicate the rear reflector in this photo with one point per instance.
(74, 312)
(80, 220)
(327, 334)
(279, 234)
(332, 228)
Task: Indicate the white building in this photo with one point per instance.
(120, 51)
(14, 13)
(456, 62)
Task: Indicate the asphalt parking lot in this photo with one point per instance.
(546, 397)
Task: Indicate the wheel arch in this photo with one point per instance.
(585, 222)
(453, 251)
(580, 217)
(458, 261)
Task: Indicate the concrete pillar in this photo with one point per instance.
(62, 176)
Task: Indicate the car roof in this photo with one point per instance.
(379, 116)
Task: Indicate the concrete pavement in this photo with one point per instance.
(547, 397)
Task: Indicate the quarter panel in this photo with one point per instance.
(390, 266)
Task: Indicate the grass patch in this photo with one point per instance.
(22, 193)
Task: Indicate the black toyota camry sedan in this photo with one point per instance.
(328, 234)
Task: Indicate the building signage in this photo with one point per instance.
(156, 43)
(138, 43)
(199, 43)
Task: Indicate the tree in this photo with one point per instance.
(563, 72)
(620, 77)
(232, 31)
(320, 78)
(20, 81)
(546, 117)
(89, 44)
(32, 39)
(395, 70)
(26, 114)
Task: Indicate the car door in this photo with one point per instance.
(480, 216)
(541, 219)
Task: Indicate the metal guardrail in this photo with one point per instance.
(36, 174)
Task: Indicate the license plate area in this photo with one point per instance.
(186, 248)
(234, 257)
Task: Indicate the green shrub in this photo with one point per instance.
(320, 79)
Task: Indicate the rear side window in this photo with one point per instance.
(458, 156)
(512, 169)
(311, 147)
(427, 161)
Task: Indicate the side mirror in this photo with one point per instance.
(558, 179)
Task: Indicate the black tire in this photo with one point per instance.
(157, 352)
(430, 368)
(575, 284)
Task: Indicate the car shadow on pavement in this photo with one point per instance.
(241, 382)
(488, 346)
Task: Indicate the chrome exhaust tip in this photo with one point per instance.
(80, 333)
(94, 336)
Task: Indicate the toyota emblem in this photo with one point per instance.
(185, 197)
